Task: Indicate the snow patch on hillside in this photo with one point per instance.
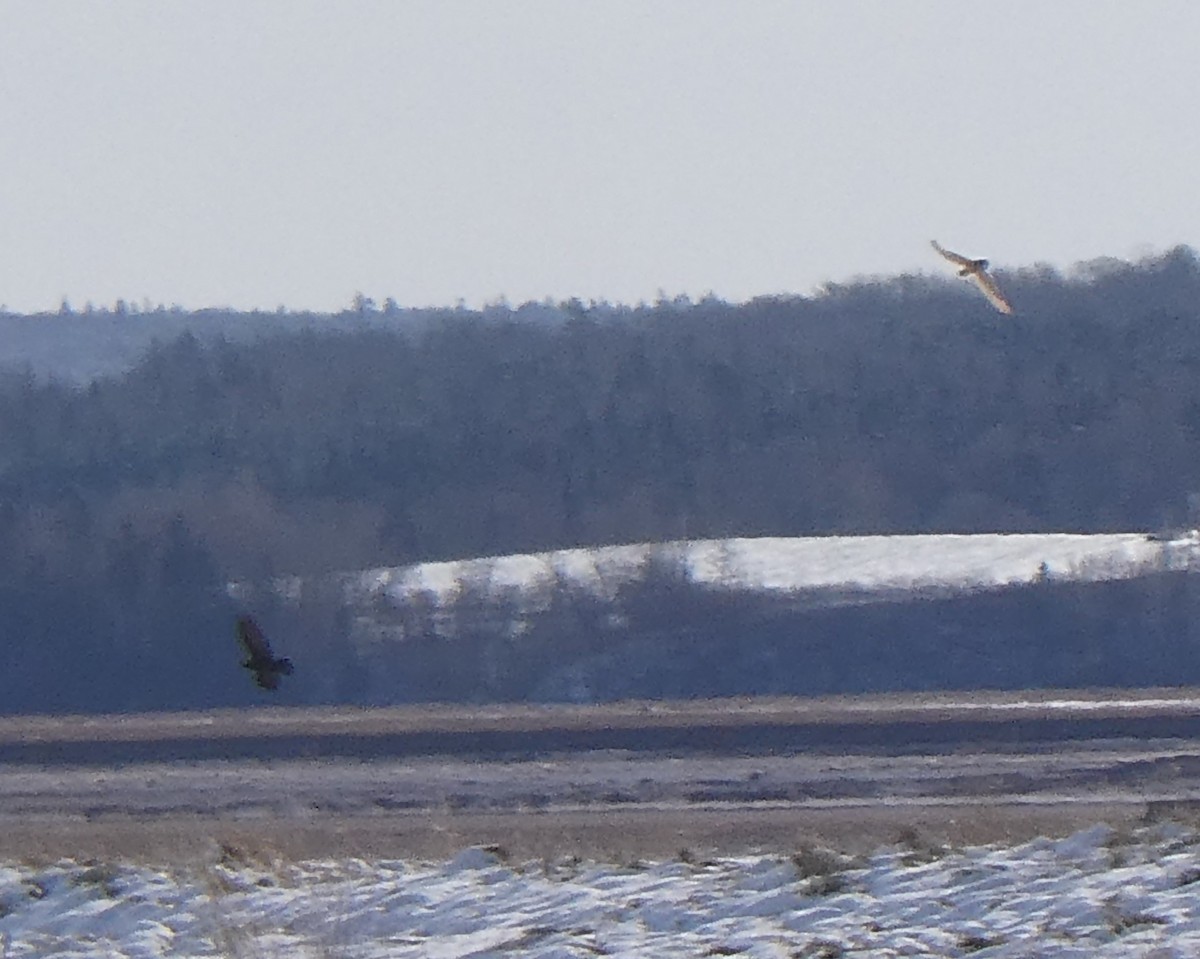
(859, 564)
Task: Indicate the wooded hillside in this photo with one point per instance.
(897, 405)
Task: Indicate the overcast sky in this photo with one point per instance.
(258, 153)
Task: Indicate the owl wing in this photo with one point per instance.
(985, 282)
(252, 639)
(951, 256)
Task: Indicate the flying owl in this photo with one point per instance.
(261, 661)
(976, 271)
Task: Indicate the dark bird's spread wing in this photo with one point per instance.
(252, 639)
(268, 678)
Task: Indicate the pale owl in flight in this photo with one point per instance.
(976, 271)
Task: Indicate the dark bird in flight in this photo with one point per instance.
(976, 271)
(266, 666)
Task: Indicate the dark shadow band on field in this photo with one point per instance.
(900, 737)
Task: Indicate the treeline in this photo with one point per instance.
(899, 405)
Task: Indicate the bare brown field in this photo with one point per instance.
(268, 721)
(610, 835)
(743, 775)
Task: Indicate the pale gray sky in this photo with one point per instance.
(267, 152)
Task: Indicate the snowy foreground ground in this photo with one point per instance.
(1097, 893)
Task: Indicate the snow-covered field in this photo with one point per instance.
(816, 571)
(856, 564)
(1097, 893)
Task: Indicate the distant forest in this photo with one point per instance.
(248, 446)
